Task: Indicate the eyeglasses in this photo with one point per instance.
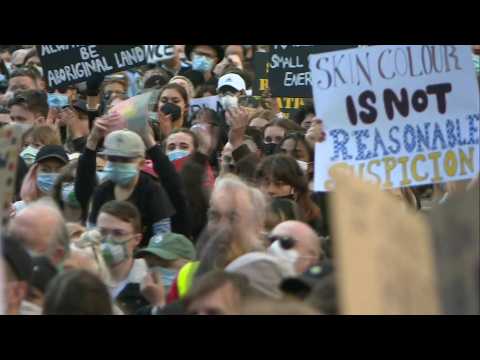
(116, 234)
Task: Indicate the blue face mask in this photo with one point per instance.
(167, 275)
(202, 63)
(68, 195)
(177, 154)
(120, 173)
(45, 182)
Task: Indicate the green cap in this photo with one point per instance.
(169, 247)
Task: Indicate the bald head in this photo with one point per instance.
(307, 243)
(41, 229)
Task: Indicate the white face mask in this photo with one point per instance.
(290, 256)
(229, 101)
(303, 165)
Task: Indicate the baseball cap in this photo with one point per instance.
(233, 80)
(169, 247)
(80, 105)
(123, 143)
(52, 151)
(264, 271)
(17, 258)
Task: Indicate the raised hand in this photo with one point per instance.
(238, 120)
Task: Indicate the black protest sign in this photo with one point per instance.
(289, 74)
(70, 64)
(159, 53)
(260, 64)
(286, 105)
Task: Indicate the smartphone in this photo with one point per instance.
(173, 110)
(58, 101)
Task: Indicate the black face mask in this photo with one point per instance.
(269, 149)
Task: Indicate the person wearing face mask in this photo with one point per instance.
(171, 104)
(38, 137)
(186, 151)
(125, 154)
(296, 243)
(230, 87)
(28, 108)
(204, 58)
(280, 176)
(42, 175)
(64, 193)
(165, 256)
(296, 146)
(119, 228)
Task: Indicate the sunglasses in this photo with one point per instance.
(286, 242)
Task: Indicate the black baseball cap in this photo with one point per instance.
(52, 151)
(17, 258)
(80, 105)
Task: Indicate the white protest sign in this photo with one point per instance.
(398, 115)
(209, 102)
(156, 53)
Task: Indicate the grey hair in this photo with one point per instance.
(61, 235)
(257, 199)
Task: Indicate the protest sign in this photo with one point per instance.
(134, 112)
(209, 102)
(286, 105)
(9, 145)
(158, 53)
(289, 74)
(69, 64)
(383, 253)
(456, 236)
(399, 115)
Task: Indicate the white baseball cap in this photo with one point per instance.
(233, 80)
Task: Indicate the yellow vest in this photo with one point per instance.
(185, 278)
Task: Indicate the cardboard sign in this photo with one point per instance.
(399, 115)
(10, 137)
(289, 74)
(383, 252)
(70, 64)
(288, 106)
(456, 235)
(158, 53)
(209, 102)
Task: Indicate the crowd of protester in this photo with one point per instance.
(201, 213)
